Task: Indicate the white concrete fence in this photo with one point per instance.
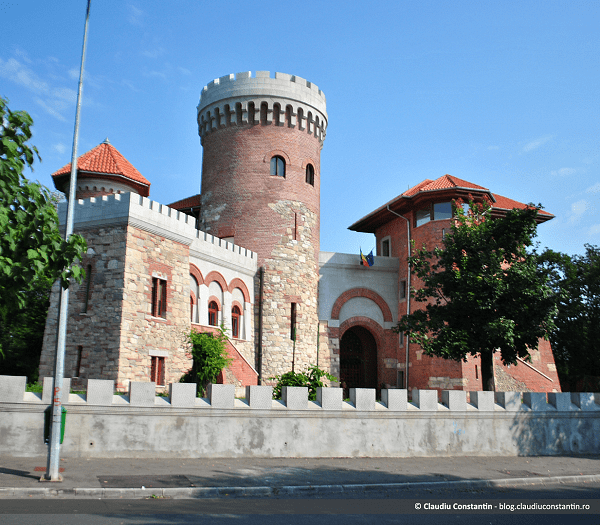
(141, 424)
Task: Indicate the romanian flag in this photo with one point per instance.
(366, 260)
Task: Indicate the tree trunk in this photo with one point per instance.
(487, 370)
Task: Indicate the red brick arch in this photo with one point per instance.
(372, 326)
(361, 292)
(237, 303)
(216, 300)
(196, 273)
(216, 276)
(236, 282)
(275, 152)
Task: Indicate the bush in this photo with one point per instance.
(311, 380)
(209, 358)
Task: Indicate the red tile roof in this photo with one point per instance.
(444, 182)
(504, 203)
(104, 159)
(188, 202)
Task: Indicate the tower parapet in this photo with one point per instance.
(286, 100)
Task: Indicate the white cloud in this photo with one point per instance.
(23, 55)
(535, 144)
(136, 15)
(154, 53)
(55, 112)
(12, 69)
(594, 229)
(184, 71)
(577, 210)
(593, 189)
(563, 172)
(60, 148)
(579, 207)
(131, 86)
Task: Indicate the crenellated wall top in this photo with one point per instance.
(141, 212)
(237, 99)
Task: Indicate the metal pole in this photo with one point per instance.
(53, 470)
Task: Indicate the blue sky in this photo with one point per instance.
(504, 94)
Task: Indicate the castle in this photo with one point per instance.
(245, 254)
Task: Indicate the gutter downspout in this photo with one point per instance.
(261, 277)
(407, 285)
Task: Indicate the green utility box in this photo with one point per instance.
(48, 423)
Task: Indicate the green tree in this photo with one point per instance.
(32, 250)
(22, 334)
(209, 358)
(576, 339)
(484, 291)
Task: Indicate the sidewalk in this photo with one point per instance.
(194, 478)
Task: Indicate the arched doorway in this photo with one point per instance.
(358, 359)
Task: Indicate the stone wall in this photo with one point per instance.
(94, 326)
(152, 256)
(140, 425)
(291, 277)
(111, 332)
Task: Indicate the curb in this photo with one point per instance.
(289, 490)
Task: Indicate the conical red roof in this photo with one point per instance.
(104, 159)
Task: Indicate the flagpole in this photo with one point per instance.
(53, 467)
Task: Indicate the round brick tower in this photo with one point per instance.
(262, 140)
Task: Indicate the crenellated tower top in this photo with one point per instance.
(286, 100)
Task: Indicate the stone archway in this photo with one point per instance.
(358, 359)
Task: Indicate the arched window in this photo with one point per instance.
(278, 166)
(310, 174)
(213, 313)
(191, 308)
(235, 321)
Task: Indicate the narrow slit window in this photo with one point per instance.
(402, 291)
(159, 297)
(293, 314)
(385, 248)
(88, 284)
(78, 363)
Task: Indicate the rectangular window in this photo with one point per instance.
(293, 322)
(159, 298)
(442, 210)
(385, 248)
(402, 291)
(400, 383)
(157, 373)
(422, 216)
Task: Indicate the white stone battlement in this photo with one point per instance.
(234, 100)
(139, 424)
(152, 216)
(101, 392)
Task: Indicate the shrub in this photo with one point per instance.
(312, 379)
(209, 358)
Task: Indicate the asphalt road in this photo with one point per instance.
(377, 506)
